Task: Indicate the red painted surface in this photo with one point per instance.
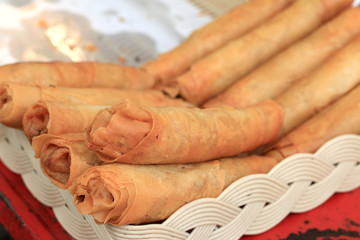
(338, 218)
(22, 215)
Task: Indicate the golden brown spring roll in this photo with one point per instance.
(54, 117)
(342, 117)
(214, 73)
(151, 135)
(17, 98)
(79, 74)
(201, 42)
(336, 76)
(122, 194)
(280, 72)
(64, 157)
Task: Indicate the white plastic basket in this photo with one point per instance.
(251, 205)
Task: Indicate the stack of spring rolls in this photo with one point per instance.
(133, 145)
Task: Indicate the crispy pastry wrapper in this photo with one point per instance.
(294, 63)
(54, 117)
(341, 117)
(334, 78)
(57, 117)
(217, 71)
(212, 36)
(122, 194)
(110, 96)
(152, 135)
(79, 74)
(17, 98)
(64, 157)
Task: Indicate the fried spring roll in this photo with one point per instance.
(54, 117)
(335, 77)
(152, 135)
(294, 63)
(212, 36)
(342, 117)
(214, 73)
(80, 74)
(122, 194)
(64, 157)
(17, 98)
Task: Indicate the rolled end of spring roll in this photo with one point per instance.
(117, 130)
(63, 157)
(55, 117)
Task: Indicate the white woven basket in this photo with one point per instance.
(251, 205)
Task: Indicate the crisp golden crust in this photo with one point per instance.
(296, 62)
(217, 71)
(15, 99)
(15, 104)
(212, 36)
(146, 135)
(63, 157)
(122, 194)
(341, 117)
(76, 74)
(334, 78)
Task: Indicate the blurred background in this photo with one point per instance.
(125, 31)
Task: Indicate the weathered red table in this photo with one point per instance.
(22, 215)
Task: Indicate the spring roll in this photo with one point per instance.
(341, 117)
(296, 62)
(64, 157)
(131, 134)
(79, 74)
(17, 98)
(214, 73)
(54, 117)
(122, 194)
(335, 77)
(201, 42)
